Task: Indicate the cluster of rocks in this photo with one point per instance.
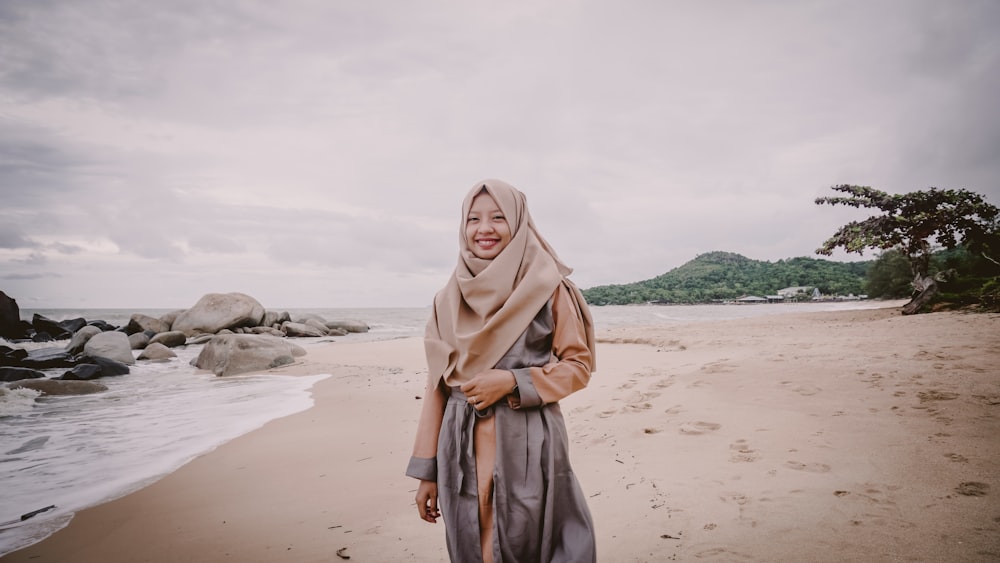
(239, 335)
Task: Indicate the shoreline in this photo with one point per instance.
(856, 433)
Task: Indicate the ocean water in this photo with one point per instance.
(76, 452)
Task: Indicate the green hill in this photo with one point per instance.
(717, 276)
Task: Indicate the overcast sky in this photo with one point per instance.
(314, 153)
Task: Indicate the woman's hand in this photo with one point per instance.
(489, 387)
(427, 501)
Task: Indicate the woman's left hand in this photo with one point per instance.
(488, 387)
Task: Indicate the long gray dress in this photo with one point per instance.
(540, 512)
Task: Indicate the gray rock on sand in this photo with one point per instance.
(302, 329)
(57, 387)
(113, 345)
(80, 338)
(216, 311)
(273, 318)
(170, 339)
(231, 354)
(156, 352)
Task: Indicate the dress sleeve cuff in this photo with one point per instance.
(527, 395)
(423, 468)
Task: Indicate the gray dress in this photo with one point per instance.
(540, 512)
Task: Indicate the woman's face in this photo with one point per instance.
(486, 230)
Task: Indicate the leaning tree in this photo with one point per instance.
(910, 222)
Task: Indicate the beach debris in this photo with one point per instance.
(28, 515)
(342, 553)
(669, 537)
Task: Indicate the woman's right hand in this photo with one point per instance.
(427, 501)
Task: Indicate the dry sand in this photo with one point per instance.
(848, 436)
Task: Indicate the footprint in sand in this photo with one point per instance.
(696, 428)
(740, 451)
(972, 489)
(957, 458)
(810, 467)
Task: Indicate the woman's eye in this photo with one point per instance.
(498, 217)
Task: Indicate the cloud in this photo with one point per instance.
(186, 146)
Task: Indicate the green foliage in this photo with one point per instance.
(889, 276)
(911, 221)
(717, 276)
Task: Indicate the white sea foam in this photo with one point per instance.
(78, 451)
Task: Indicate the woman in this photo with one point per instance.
(509, 337)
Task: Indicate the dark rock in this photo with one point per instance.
(48, 358)
(8, 373)
(103, 325)
(12, 356)
(41, 323)
(82, 372)
(108, 366)
(57, 387)
(11, 326)
(42, 337)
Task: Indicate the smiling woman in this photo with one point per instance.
(509, 337)
(486, 229)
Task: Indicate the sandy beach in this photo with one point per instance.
(846, 436)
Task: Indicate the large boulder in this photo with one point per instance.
(141, 323)
(156, 352)
(230, 354)
(170, 339)
(17, 374)
(113, 345)
(216, 311)
(80, 338)
(11, 326)
(12, 356)
(57, 387)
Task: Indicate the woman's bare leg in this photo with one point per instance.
(486, 454)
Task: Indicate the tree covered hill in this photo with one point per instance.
(715, 276)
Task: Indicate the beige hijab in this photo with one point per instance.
(487, 304)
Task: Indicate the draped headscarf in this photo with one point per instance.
(487, 304)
